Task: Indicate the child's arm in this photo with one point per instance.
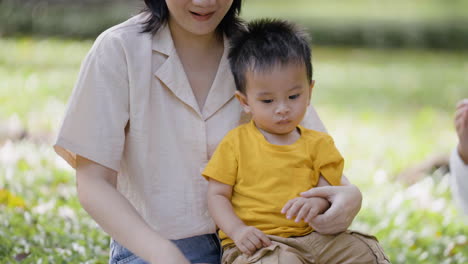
(247, 238)
(306, 208)
(345, 198)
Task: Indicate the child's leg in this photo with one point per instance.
(346, 247)
(280, 252)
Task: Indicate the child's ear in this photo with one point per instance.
(243, 101)
(311, 87)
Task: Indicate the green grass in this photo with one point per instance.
(386, 109)
(37, 78)
(430, 24)
(397, 10)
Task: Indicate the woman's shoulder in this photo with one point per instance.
(126, 34)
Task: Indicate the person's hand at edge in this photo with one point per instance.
(461, 125)
(168, 253)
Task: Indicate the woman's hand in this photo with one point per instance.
(96, 188)
(345, 204)
(168, 253)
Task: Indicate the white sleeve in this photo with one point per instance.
(312, 120)
(98, 110)
(459, 180)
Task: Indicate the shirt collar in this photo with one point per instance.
(172, 75)
(162, 40)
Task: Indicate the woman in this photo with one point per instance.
(153, 99)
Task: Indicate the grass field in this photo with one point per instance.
(396, 10)
(386, 109)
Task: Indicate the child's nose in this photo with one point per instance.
(282, 109)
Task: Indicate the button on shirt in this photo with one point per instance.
(132, 110)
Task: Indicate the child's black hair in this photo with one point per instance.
(266, 43)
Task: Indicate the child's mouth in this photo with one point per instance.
(283, 122)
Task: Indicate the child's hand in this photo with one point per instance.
(248, 239)
(305, 208)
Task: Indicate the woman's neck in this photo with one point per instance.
(188, 43)
(200, 56)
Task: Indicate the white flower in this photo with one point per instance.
(44, 207)
(66, 212)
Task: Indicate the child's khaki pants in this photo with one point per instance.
(343, 248)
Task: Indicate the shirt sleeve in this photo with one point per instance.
(98, 110)
(459, 180)
(312, 121)
(329, 162)
(223, 164)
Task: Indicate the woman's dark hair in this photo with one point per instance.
(160, 15)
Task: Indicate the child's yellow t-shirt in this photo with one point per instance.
(265, 176)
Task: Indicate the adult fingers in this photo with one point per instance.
(324, 192)
(332, 221)
(461, 120)
(322, 225)
(462, 103)
(461, 111)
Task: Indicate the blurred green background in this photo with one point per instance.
(388, 75)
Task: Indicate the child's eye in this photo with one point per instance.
(294, 96)
(267, 101)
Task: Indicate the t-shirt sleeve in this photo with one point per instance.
(329, 162)
(223, 164)
(98, 109)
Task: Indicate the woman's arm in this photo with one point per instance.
(345, 204)
(345, 199)
(96, 187)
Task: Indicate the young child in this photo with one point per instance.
(259, 169)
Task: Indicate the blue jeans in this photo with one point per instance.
(198, 249)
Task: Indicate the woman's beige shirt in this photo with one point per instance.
(133, 110)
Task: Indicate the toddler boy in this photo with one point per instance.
(259, 169)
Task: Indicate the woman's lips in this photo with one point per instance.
(202, 16)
